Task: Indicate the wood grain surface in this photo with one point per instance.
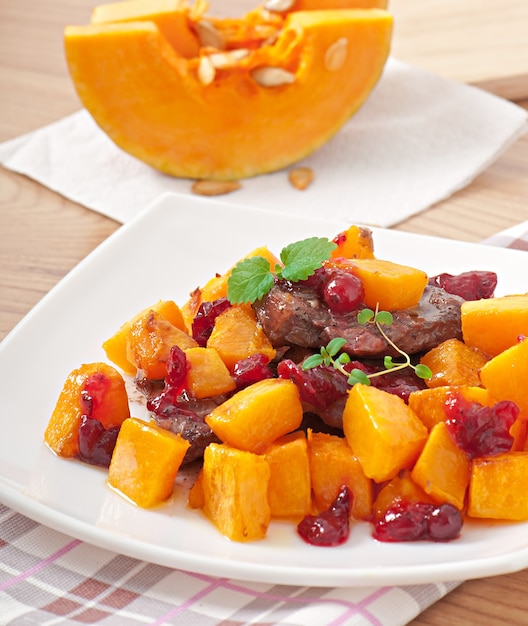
(43, 235)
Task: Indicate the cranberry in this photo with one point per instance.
(473, 285)
(96, 444)
(93, 391)
(331, 527)
(343, 292)
(177, 368)
(319, 386)
(444, 523)
(205, 318)
(415, 521)
(481, 430)
(251, 369)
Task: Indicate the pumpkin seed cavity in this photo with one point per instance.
(224, 60)
(268, 76)
(206, 71)
(209, 36)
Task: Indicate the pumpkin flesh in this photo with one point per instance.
(150, 101)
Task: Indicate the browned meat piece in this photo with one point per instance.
(295, 315)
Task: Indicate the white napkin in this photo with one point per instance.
(417, 139)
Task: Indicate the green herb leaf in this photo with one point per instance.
(302, 258)
(335, 345)
(358, 376)
(365, 316)
(388, 362)
(312, 361)
(384, 317)
(250, 280)
(343, 359)
(422, 371)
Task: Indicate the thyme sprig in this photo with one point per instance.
(331, 355)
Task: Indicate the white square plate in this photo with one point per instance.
(176, 245)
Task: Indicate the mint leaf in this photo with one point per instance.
(250, 280)
(302, 258)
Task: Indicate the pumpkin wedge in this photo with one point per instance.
(230, 113)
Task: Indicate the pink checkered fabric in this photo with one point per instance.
(48, 578)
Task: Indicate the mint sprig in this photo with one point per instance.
(253, 277)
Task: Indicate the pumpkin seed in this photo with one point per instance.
(335, 55)
(209, 36)
(223, 60)
(268, 76)
(206, 71)
(206, 187)
(301, 177)
(278, 6)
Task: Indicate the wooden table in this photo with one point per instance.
(42, 235)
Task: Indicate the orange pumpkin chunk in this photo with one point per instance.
(332, 465)
(497, 487)
(237, 334)
(429, 404)
(354, 243)
(387, 285)
(442, 469)
(116, 346)
(196, 499)
(208, 376)
(235, 490)
(505, 376)
(109, 405)
(289, 492)
(384, 433)
(254, 417)
(454, 363)
(494, 324)
(145, 462)
(401, 488)
(149, 341)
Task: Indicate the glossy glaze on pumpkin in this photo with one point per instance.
(152, 102)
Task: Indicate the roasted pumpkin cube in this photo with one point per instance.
(145, 462)
(505, 375)
(195, 499)
(235, 490)
(442, 469)
(237, 334)
(106, 401)
(454, 363)
(388, 286)
(355, 242)
(384, 433)
(401, 488)
(332, 465)
(149, 341)
(289, 492)
(429, 404)
(497, 487)
(494, 324)
(208, 376)
(255, 416)
(116, 346)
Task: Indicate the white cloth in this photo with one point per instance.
(417, 139)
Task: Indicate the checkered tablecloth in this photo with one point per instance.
(50, 579)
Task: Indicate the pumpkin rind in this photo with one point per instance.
(149, 100)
